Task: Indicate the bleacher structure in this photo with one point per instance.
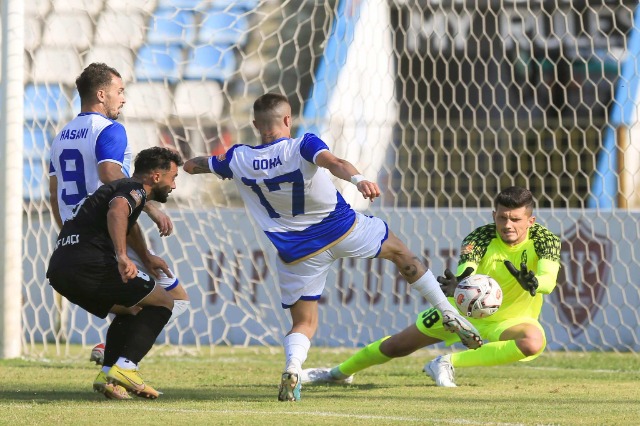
(174, 58)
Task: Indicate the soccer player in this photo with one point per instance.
(92, 150)
(311, 225)
(514, 332)
(90, 267)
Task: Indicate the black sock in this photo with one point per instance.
(143, 331)
(116, 338)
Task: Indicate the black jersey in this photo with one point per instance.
(85, 239)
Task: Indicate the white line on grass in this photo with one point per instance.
(576, 369)
(156, 409)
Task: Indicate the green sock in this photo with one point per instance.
(366, 357)
(494, 353)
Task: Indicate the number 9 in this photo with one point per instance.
(68, 157)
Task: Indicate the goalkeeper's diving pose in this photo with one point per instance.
(523, 256)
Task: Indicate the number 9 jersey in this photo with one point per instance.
(297, 205)
(86, 141)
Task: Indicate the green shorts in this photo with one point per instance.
(429, 323)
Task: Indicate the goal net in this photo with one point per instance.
(443, 103)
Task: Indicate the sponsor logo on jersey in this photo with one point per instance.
(68, 240)
(70, 134)
(137, 195)
(267, 163)
(467, 249)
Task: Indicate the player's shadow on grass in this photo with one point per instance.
(255, 393)
(39, 396)
(245, 393)
(264, 393)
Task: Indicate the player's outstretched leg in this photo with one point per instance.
(323, 375)
(109, 390)
(456, 323)
(290, 386)
(131, 380)
(441, 371)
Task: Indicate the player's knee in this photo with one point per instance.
(532, 344)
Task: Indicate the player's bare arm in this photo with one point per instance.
(53, 196)
(109, 171)
(136, 241)
(197, 165)
(160, 218)
(345, 170)
(117, 221)
(152, 263)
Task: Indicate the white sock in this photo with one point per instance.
(126, 364)
(179, 308)
(296, 347)
(428, 287)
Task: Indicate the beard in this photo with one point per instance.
(161, 195)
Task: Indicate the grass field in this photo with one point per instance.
(227, 385)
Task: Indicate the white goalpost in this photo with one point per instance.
(11, 92)
(443, 103)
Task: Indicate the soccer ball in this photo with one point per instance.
(478, 296)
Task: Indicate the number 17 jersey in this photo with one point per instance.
(294, 202)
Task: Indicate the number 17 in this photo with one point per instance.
(273, 184)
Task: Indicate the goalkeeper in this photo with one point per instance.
(510, 249)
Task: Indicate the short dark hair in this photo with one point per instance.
(94, 77)
(267, 103)
(515, 197)
(155, 158)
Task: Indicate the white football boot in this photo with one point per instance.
(441, 371)
(456, 323)
(323, 375)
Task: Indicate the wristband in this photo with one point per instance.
(356, 179)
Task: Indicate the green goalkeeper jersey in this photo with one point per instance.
(484, 250)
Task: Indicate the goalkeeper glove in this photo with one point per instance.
(449, 282)
(525, 278)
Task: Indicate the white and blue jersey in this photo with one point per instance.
(297, 206)
(88, 140)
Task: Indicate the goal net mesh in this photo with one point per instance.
(443, 103)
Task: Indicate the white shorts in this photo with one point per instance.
(306, 280)
(164, 280)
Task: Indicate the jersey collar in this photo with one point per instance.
(82, 114)
(272, 143)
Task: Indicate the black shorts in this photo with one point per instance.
(96, 288)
